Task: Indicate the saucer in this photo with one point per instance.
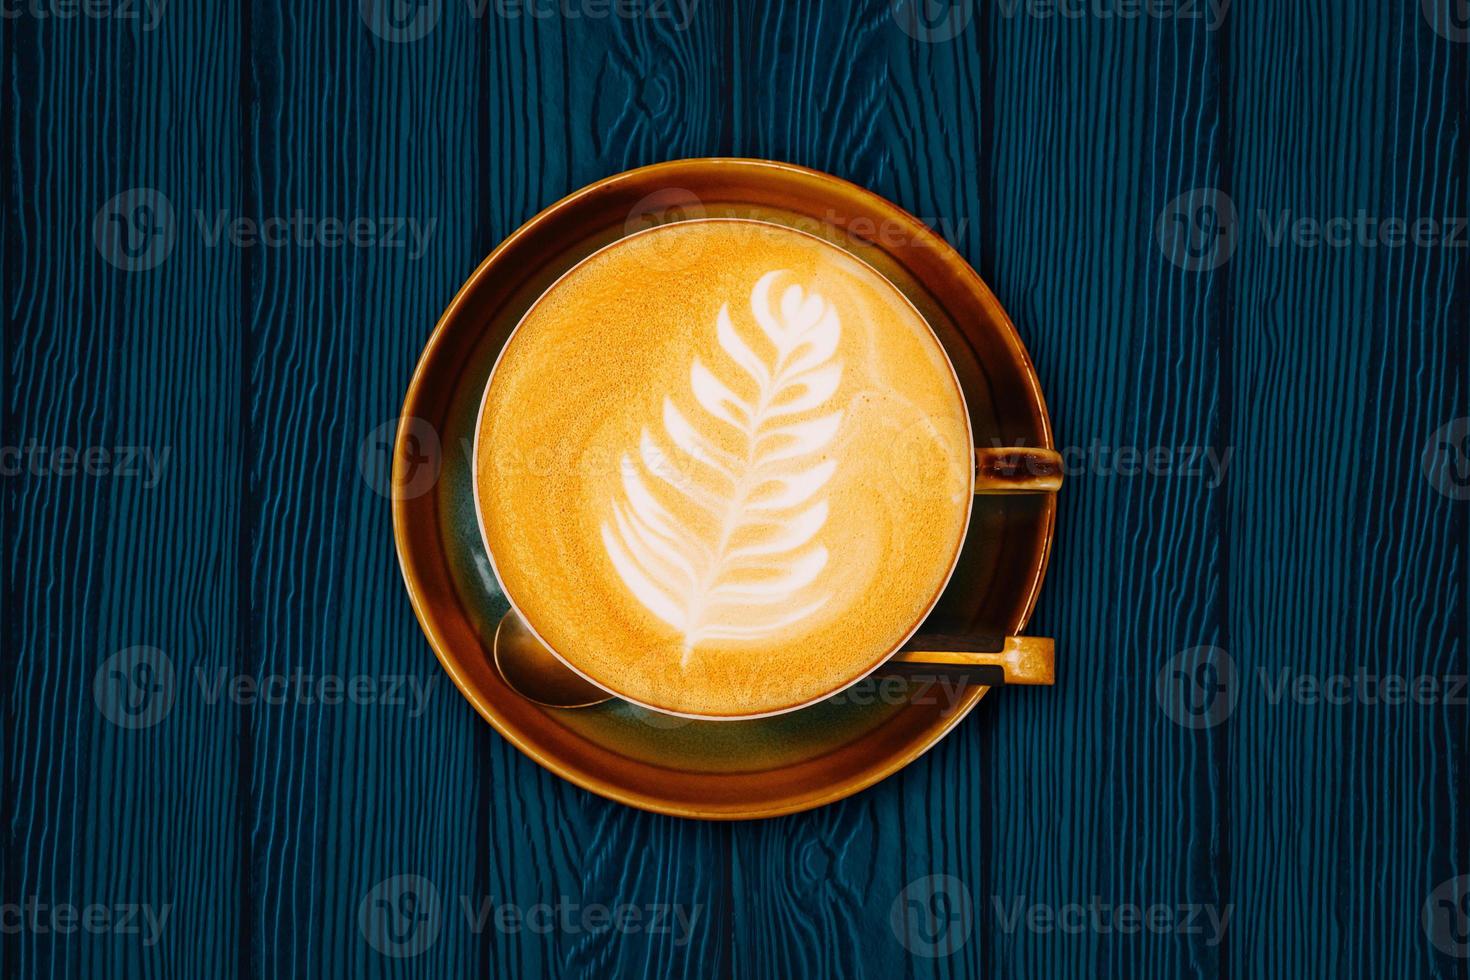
(713, 769)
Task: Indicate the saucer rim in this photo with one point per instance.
(402, 507)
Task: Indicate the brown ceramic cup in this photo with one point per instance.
(986, 660)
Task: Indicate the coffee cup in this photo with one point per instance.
(687, 483)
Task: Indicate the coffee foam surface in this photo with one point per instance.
(722, 468)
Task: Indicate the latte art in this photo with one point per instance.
(725, 486)
(730, 551)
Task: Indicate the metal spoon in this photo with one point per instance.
(533, 671)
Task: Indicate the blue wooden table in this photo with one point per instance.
(1234, 241)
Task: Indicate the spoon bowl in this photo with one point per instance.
(534, 672)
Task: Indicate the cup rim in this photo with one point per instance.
(957, 550)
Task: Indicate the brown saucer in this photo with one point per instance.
(732, 769)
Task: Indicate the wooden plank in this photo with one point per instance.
(1049, 150)
(458, 122)
(1343, 558)
(1051, 145)
(568, 101)
(347, 119)
(811, 85)
(119, 580)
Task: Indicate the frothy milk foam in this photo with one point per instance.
(721, 468)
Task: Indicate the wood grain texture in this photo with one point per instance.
(1346, 817)
(1047, 149)
(96, 812)
(1081, 132)
(570, 101)
(347, 123)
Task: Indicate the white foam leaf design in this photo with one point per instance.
(732, 552)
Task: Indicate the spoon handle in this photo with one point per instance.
(997, 660)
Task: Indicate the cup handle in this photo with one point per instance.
(1005, 660)
(1002, 660)
(1017, 469)
(1027, 660)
